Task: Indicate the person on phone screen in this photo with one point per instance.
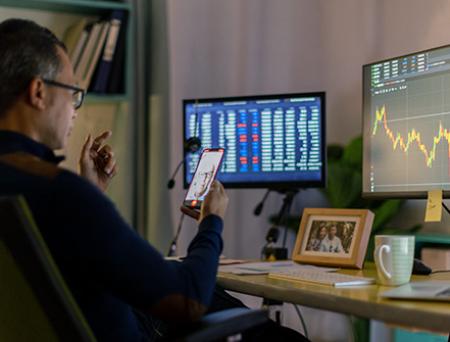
(203, 182)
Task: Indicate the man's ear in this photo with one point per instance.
(37, 93)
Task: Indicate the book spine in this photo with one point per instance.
(86, 55)
(76, 53)
(96, 54)
(100, 81)
(116, 84)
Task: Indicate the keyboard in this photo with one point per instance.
(321, 277)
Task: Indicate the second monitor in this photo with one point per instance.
(271, 141)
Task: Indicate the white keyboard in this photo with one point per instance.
(321, 277)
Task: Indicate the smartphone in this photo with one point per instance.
(204, 175)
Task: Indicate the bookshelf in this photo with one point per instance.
(72, 6)
(100, 111)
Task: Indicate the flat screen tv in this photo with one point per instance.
(270, 141)
(406, 125)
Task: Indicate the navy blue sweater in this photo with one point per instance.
(107, 266)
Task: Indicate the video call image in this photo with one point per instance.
(325, 236)
(204, 175)
(407, 123)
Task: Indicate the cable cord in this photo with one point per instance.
(259, 207)
(171, 182)
(445, 207)
(173, 245)
(305, 331)
(351, 328)
(286, 213)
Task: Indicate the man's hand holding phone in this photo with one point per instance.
(216, 202)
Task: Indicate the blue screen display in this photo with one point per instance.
(269, 141)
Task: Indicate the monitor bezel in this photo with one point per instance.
(391, 194)
(279, 186)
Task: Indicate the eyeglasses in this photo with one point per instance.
(77, 95)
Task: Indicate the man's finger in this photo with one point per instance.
(110, 165)
(113, 171)
(219, 186)
(214, 186)
(86, 146)
(98, 141)
(106, 152)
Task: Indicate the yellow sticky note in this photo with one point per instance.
(434, 206)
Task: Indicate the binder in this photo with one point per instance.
(95, 55)
(86, 54)
(73, 34)
(116, 84)
(102, 73)
(77, 51)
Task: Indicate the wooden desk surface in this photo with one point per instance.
(362, 301)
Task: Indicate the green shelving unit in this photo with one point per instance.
(72, 6)
(99, 98)
(92, 8)
(431, 240)
(53, 13)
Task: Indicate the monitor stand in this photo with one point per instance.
(270, 252)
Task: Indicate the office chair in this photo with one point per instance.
(36, 304)
(225, 325)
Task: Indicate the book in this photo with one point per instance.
(116, 80)
(73, 34)
(88, 50)
(95, 56)
(100, 79)
(76, 53)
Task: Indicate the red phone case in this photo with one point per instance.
(190, 210)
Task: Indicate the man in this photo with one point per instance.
(332, 243)
(110, 270)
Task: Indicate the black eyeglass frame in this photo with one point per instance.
(68, 86)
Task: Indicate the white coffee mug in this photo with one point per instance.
(394, 256)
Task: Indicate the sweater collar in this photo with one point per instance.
(11, 142)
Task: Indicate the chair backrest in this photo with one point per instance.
(35, 302)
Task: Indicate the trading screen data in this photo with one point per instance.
(267, 140)
(406, 108)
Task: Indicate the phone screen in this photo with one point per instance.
(203, 177)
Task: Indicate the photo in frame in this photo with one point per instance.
(333, 237)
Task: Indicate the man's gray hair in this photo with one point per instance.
(27, 50)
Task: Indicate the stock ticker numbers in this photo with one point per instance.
(263, 138)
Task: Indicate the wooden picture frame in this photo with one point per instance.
(333, 237)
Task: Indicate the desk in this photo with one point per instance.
(361, 301)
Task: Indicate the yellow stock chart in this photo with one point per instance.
(413, 138)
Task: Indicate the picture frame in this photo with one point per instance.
(333, 237)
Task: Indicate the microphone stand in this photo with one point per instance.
(171, 182)
(272, 253)
(269, 251)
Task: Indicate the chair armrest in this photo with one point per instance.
(221, 324)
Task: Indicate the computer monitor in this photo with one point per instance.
(271, 141)
(406, 125)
